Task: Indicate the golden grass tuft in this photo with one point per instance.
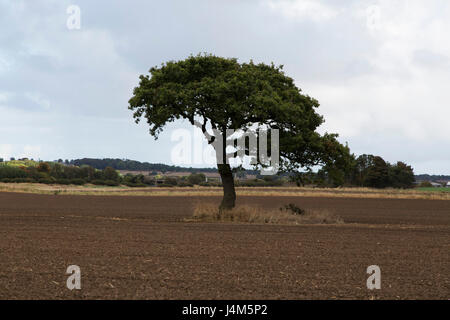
(209, 212)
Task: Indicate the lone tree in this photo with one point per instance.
(216, 94)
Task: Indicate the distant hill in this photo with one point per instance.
(432, 178)
(133, 165)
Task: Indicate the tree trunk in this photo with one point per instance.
(229, 194)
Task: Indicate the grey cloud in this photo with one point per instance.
(431, 59)
(88, 75)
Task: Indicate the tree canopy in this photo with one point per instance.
(216, 94)
(365, 171)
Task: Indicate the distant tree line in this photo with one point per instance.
(365, 171)
(348, 170)
(59, 173)
(433, 178)
(50, 173)
(132, 165)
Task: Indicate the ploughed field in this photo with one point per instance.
(132, 247)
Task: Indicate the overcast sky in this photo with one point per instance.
(379, 68)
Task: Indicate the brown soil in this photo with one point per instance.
(140, 248)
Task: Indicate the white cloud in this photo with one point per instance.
(5, 64)
(399, 108)
(379, 68)
(368, 105)
(303, 9)
(400, 28)
(3, 97)
(31, 152)
(6, 151)
(26, 151)
(39, 100)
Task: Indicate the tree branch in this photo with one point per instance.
(202, 126)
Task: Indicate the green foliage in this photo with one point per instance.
(49, 173)
(17, 180)
(150, 181)
(170, 181)
(341, 170)
(110, 174)
(130, 179)
(225, 94)
(22, 163)
(110, 183)
(378, 174)
(196, 178)
(78, 182)
(221, 94)
(63, 181)
(10, 172)
(185, 184)
(98, 182)
(401, 176)
(46, 181)
(363, 164)
(165, 185)
(43, 167)
(425, 184)
(366, 171)
(434, 189)
(134, 185)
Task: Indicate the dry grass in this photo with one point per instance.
(217, 191)
(209, 212)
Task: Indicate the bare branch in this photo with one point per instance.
(202, 126)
